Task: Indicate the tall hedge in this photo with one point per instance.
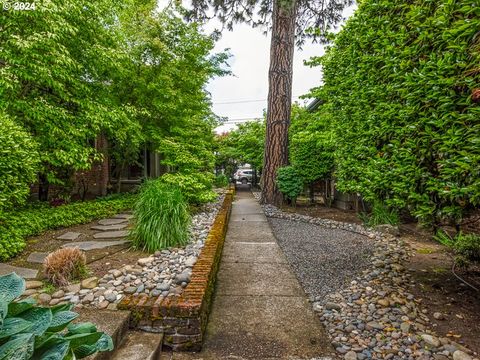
(18, 163)
(399, 80)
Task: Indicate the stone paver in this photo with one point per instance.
(37, 257)
(112, 221)
(111, 234)
(69, 236)
(259, 310)
(124, 216)
(20, 271)
(92, 245)
(109, 227)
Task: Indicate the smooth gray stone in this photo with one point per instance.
(112, 221)
(91, 245)
(124, 216)
(111, 234)
(69, 236)
(109, 227)
(37, 257)
(23, 272)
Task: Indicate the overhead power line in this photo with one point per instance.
(244, 101)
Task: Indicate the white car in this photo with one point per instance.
(244, 176)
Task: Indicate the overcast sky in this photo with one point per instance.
(243, 95)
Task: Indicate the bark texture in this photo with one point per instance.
(279, 96)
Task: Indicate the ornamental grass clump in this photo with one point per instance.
(65, 265)
(161, 216)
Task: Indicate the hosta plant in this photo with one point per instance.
(28, 331)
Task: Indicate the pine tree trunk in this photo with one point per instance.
(279, 96)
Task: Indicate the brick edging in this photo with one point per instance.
(183, 319)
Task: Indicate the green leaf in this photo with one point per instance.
(83, 351)
(11, 287)
(81, 328)
(83, 339)
(40, 319)
(105, 343)
(61, 319)
(61, 307)
(16, 308)
(12, 326)
(19, 347)
(3, 311)
(57, 351)
(47, 340)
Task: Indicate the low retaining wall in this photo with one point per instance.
(183, 319)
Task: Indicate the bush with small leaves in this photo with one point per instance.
(221, 181)
(467, 248)
(399, 86)
(18, 163)
(195, 187)
(289, 182)
(65, 265)
(28, 331)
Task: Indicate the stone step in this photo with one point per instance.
(37, 257)
(124, 216)
(92, 245)
(112, 221)
(111, 234)
(109, 227)
(20, 271)
(114, 323)
(140, 345)
(70, 235)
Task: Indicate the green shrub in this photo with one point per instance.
(380, 215)
(28, 331)
(467, 246)
(289, 182)
(443, 238)
(221, 181)
(16, 226)
(399, 80)
(195, 187)
(161, 217)
(18, 163)
(311, 145)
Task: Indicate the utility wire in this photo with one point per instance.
(244, 101)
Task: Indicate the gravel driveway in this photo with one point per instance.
(322, 259)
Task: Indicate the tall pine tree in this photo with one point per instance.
(290, 22)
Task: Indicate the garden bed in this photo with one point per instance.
(117, 271)
(385, 310)
(183, 318)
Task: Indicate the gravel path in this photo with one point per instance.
(323, 259)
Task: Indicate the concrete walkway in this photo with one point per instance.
(259, 310)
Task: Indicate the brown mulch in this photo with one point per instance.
(441, 291)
